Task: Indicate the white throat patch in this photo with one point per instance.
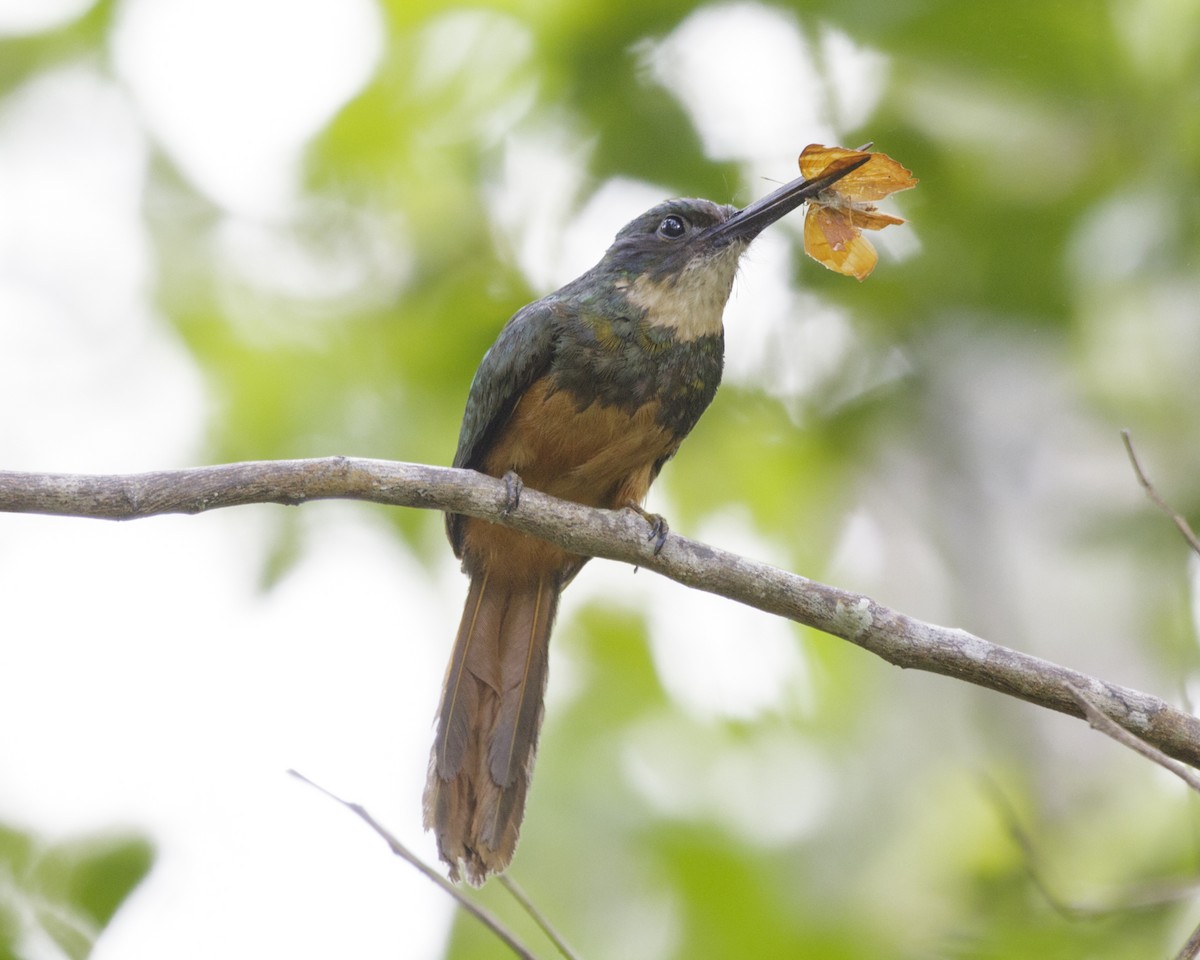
(691, 304)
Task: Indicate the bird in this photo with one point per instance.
(584, 395)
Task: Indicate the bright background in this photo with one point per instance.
(287, 228)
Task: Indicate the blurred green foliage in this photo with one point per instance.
(1054, 298)
(64, 893)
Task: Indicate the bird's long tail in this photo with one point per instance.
(488, 722)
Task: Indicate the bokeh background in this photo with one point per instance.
(248, 229)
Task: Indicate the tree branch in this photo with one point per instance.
(614, 535)
(1098, 720)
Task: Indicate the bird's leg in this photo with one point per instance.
(513, 485)
(658, 524)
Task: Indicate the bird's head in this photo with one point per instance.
(677, 260)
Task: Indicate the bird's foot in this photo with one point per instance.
(513, 485)
(658, 525)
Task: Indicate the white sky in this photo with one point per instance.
(148, 685)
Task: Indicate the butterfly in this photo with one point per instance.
(839, 214)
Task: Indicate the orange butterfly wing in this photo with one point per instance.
(871, 219)
(879, 177)
(833, 240)
(837, 217)
(815, 159)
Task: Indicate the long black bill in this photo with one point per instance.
(750, 221)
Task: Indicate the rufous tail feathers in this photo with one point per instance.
(488, 723)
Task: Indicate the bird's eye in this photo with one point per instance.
(672, 228)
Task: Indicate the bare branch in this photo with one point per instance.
(1106, 725)
(1097, 719)
(479, 913)
(614, 535)
(1184, 528)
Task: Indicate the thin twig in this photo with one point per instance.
(1137, 897)
(1105, 724)
(1030, 859)
(538, 917)
(1184, 528)
(1099, 720)
(400, 850)
(1191, 949)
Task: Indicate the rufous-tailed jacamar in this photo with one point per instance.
(585, 394)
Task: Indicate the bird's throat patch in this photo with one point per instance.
(690, 303)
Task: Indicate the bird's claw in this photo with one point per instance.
(513, 485)
(658, 525)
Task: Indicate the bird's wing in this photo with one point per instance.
(521, 355)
